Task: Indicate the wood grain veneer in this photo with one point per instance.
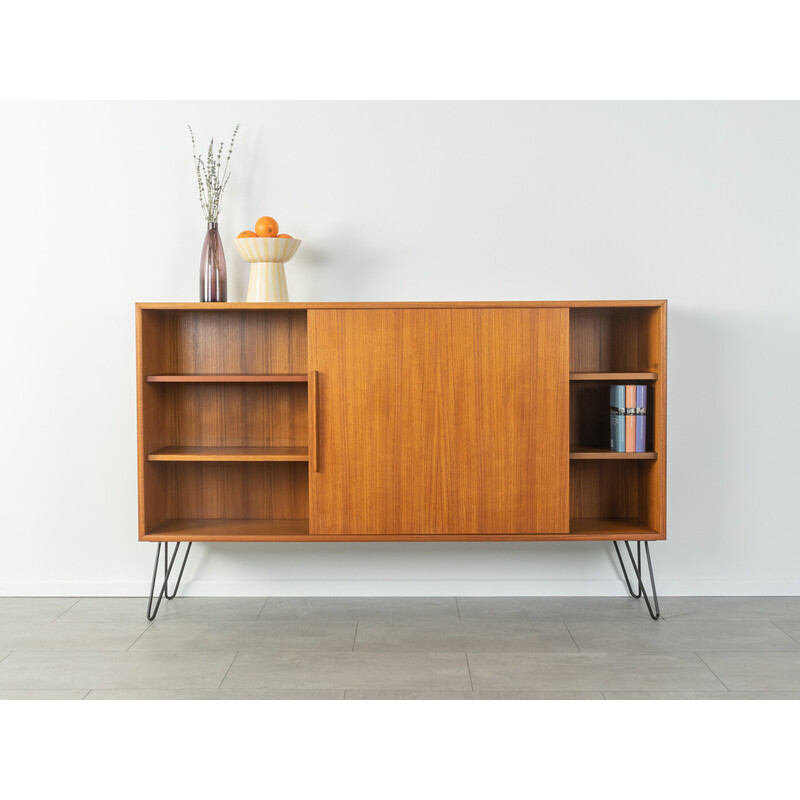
(440, 421)
(235, 490)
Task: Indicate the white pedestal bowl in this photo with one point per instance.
(267, 255)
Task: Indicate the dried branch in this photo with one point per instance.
(211, 177)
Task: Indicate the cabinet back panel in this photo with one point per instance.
(233, 490)
(613, 490)
(612, 340)
(589, 416)
(245, 342)
(236, 414)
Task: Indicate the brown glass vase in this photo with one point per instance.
(213, 277)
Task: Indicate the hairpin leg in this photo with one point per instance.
(168, 564)
(653, 608)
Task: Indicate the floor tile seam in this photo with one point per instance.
(577, 646)
(728, 688)
(261, 610)
(266, 646)
(355, 636)
(794, 651)
(786, 633)
(503, 692)
(362, 651)
(349, 647)
(149, 625)
(58, 616)
(67, 624)
(6, 656)
(469, 672)
(551, 686)
(349, 688)
(365, 653)
(122, 652)
(590, 654)
(235, 656)
(562, 652)
(114, 687)
(720, 692)
(643, 650)
(87, 694)
(304, 618)
(458, 609)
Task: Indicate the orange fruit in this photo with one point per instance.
(266, 227)
(283, 236)
(247, 235)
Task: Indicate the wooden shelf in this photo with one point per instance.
(229, 530)
(229, 454)
(602, 453)
(626, 528)
(628, 377)
(227, 378)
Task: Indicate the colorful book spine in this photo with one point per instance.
(641, 419)
(617, 401)
(630, 418)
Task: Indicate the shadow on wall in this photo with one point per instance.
(703, 353)
(708, 393)
(339, 269)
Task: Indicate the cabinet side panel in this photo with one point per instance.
(440, 421)
(152, 353)
(656, 479)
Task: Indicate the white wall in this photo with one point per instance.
(695, 202)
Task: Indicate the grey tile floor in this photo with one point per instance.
(400, 648)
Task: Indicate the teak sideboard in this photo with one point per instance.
(397, 421)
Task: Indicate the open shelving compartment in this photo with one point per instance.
(223, 424)
(617, 495)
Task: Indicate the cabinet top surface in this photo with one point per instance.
(486, 304)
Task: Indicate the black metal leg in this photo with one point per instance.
(168, 564)
(655, 611)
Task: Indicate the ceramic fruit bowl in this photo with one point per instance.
(267, 255)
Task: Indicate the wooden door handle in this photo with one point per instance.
(313, 410)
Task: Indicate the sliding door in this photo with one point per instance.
(439, 421)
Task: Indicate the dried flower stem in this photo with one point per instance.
(212, 178)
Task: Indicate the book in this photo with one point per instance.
(630, 418)
(641, 419)
(617, 400)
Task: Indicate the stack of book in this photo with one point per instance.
(628, 418)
